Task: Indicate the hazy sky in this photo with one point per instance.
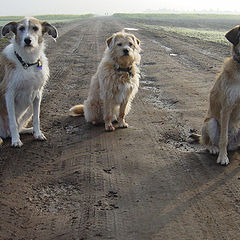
(35, 7)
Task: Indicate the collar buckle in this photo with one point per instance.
(25, 65)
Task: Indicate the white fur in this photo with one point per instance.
(24, 87)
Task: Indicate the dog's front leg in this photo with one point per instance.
(122, 114)
(36, 119)
(108, 115)
(225, 116)
(10, 104)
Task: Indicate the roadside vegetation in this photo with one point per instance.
(50, 18)
(206, 27)
(178, 16)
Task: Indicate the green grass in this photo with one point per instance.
(204, 35)
(4, 40)
(178, 16)
(206, 27)
(62, 18)
(50, 18)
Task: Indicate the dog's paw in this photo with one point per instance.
(109, 128)
(123, 125)
(213, 150)
(223, 160)
(16, 143)
(40, 136)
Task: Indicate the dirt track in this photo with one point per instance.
(144, 182)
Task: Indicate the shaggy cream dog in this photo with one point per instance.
(115, 83)
(220, 130)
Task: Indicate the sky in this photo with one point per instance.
(33, 7)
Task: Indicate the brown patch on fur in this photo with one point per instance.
(33, 22)
(17, 34)
(6, 68)
(77, 110)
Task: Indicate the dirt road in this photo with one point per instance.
(144, 182)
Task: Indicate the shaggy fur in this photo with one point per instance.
(220, 130)
(115, 83)
(21, 86)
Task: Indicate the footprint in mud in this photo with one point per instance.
(107, 203)
(179, 139)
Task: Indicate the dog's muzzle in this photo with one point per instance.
(28, 42)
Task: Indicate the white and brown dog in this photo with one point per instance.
(221, 130)
(115, 83)
(23, 74)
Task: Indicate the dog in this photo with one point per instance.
(220, 131)
(23, 73)
(115, 84)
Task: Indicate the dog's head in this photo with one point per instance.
(124, 48)
(233, 35)
(29, 32)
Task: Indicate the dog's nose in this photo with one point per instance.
(27, 41)
(125, 51)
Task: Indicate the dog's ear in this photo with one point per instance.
(135, 39)
(138, 41)
(233, 35)
(48, 28)
(10, 27)
(109, 41)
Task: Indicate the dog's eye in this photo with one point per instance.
(22, 28)
(35, 28)
(119, 44)
(130, 44)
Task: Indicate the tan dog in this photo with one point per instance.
(115, 83)
(221, 126)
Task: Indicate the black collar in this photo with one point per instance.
(127, 70)
(27, 65)
(236, 59)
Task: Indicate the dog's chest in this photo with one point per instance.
(233, 95)
(31, 78)
(26, 83)
(123, 90)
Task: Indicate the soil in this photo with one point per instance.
(148, 181)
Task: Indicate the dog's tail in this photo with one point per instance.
(196, 137)
(77, 110)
